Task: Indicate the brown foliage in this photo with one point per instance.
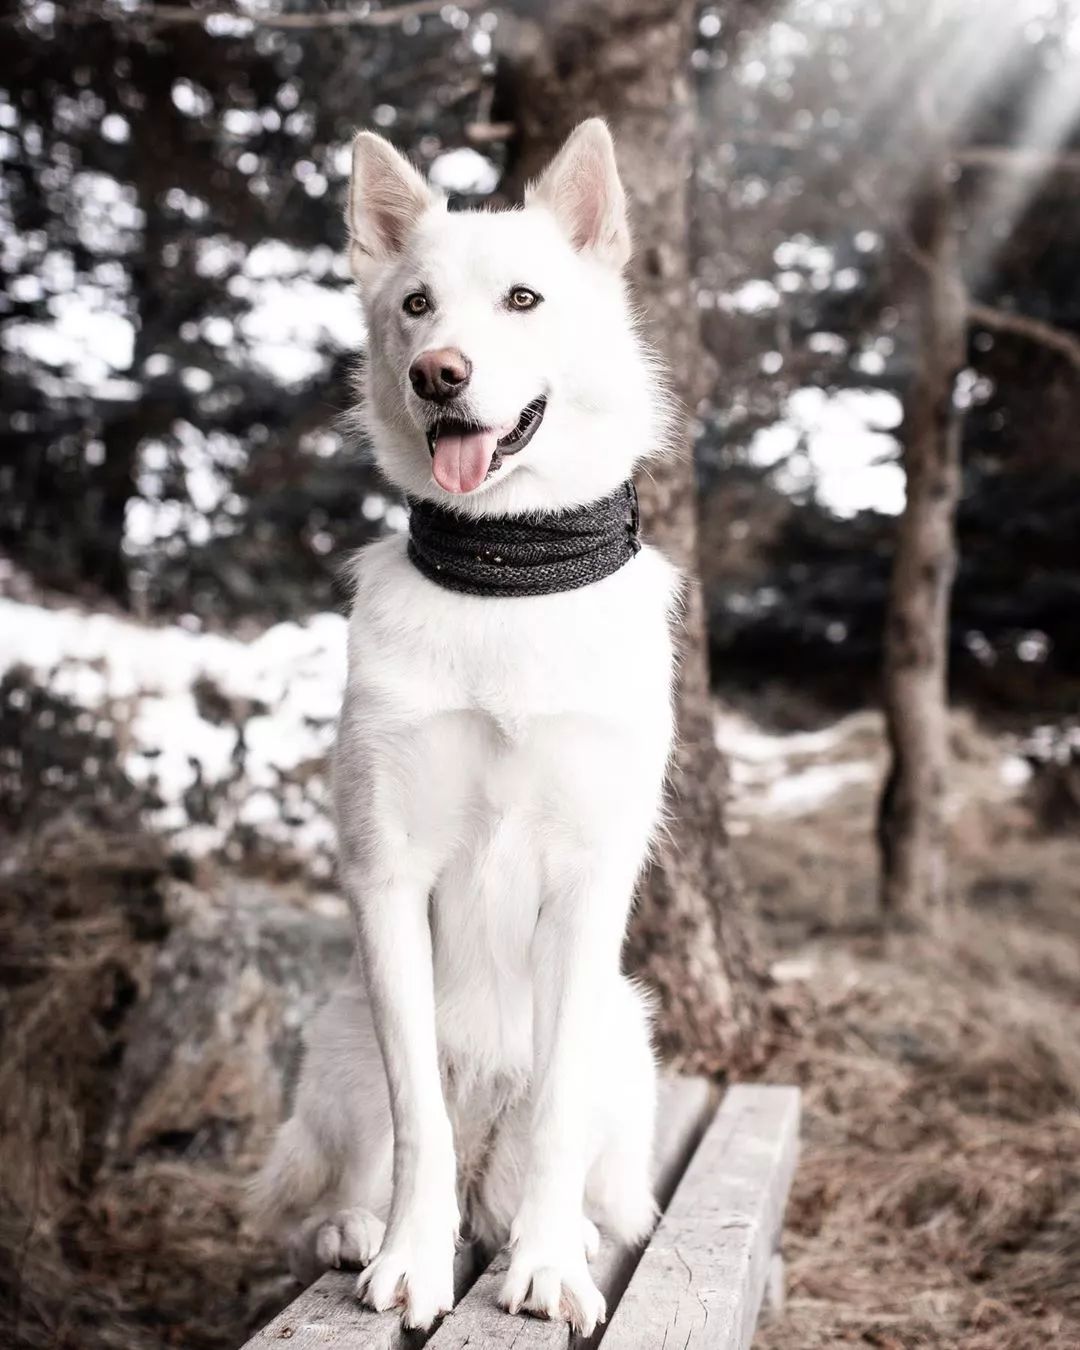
(937, 1202)
(124, 1259)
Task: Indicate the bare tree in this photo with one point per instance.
(627, 60)
(911, 820)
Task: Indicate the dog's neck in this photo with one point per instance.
(536, 554)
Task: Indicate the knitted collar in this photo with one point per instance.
(525, 555)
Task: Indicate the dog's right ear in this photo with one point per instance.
(386, 198)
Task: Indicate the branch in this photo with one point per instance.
(1047, 335)
(1059, 340)
(488, 133)
(1023, 159)
(1018, 159)
(168, 15)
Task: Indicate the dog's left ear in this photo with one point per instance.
(581, 188)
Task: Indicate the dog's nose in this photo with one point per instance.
(441, 374)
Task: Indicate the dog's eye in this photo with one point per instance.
(416, 303)
(522, 298)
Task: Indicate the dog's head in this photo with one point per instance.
(504, 368)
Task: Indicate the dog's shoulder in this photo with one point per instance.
(375, 568)
(428, 644)
(664, 582)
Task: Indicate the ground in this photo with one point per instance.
(152, 996)
(937, 1200)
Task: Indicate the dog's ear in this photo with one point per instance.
(581, 188)
(386, 198)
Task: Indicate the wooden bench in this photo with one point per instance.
(723, 1178)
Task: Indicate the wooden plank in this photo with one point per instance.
(685, 1106)
(701, 1280)
(684, 1109)
(775, 1289)
(327, 1314)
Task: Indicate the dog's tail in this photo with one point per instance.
(295, 1175)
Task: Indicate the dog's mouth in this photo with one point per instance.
(464, 454)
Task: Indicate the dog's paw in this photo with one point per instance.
(422, 1288)
(550, 1277)
(413, 1271)
(352, 1238)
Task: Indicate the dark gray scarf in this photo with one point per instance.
(525, 555)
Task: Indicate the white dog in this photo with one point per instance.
(501, 758)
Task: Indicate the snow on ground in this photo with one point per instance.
(265, 772)
(799, 773)
(262, 767)
(767, 778)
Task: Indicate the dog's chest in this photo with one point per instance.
(506, 743)
(601, 652)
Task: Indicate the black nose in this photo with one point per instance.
(441, 374)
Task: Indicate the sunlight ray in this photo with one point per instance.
(1052, 113)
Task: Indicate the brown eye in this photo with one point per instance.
(522, 298)
(417, 303)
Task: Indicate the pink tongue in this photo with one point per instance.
(461, 462)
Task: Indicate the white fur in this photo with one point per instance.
(499, 774)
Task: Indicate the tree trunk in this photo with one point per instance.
(628, 61)
(911, 823)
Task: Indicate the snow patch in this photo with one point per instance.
(836, 444)
(267, 774)
(87, 340)
(289, 321)
(766, 773)
(752, 297)
(803, 791)
(464, 170)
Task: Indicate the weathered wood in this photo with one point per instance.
(327, 1313)
(774, 1288)
(701, 1280)
(685, 1106)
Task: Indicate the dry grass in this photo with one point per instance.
(937, 1202)
(96, 1256)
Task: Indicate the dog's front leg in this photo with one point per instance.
(414, 1267)
(575, 959)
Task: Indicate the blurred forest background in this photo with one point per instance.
(177, 335)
